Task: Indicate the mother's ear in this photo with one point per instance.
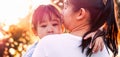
(80, 14)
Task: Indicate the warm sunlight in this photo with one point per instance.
(36, 3)
(119, 1)
(16, 30)
(12, 10)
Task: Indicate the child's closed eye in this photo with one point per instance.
(55, 24)
(43, 26)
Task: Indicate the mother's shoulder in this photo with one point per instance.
(53, 38)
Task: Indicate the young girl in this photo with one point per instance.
(81, 17)
(46, 20)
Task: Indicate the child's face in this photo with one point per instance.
(49, 26)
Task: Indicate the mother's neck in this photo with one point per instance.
(80, 30)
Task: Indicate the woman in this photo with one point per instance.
(81, 17)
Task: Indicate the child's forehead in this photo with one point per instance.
(49, 17)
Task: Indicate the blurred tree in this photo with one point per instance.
(18, 40)
(118, 3)
(2, 47)
(59, 3)
(17, 43)
(118, 10)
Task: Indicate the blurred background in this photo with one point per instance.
(15, 24)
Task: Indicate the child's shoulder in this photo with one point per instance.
(30, 50)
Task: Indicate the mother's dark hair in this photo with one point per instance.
(101, 13)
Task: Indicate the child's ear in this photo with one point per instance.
(63, 28)
(34, 31)
(81, 14)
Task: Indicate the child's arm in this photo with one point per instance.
(97, 43)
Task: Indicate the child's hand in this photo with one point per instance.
(97, 44)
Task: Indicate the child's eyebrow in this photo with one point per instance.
(56, 19)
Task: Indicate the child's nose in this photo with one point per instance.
(50, 30)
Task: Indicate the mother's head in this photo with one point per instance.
(84, 12)
(91, 14)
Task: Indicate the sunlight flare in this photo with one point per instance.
(12, 10)
(36, 3)
(1, 35)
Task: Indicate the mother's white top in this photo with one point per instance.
(63, 45)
